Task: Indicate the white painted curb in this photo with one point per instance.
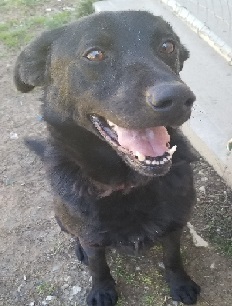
(201, 29)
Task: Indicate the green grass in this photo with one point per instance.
(224, 245)
(18, 3)
(14, 36)
(85, 8)
(150, 300)
(148, 281)
(45, 288)
(222, 239)
(18, 32)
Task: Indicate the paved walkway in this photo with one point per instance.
(216, 14)
(209, 76)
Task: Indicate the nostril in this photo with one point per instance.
(158, 103)
(164, 104)
(189, 102)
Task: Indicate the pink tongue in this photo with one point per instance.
(149, 142)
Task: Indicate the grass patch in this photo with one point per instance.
(59, 19)
(85, 8)
(142, 281)
(122, 273)
(45, 288)
(20, 8)
(19, 3)
(15, 33)
(224, 245)
(150, 300)
(18, 32)
(219, 233)
(14, 36)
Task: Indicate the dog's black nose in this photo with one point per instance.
(168, 96)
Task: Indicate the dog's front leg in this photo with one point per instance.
(182, 287)
(103, 291)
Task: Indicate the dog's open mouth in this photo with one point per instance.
(146, 150)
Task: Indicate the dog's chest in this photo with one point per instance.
(135, 219)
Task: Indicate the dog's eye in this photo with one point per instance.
(167, 47)
(95, 55)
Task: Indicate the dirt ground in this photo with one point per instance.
(38, 264)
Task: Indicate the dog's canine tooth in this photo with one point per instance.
(140, 156)
(148, 162)
(172, 150)
(111, 124)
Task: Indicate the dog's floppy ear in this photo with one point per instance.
(184, 55)
(30, 68)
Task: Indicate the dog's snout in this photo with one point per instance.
(168, 96)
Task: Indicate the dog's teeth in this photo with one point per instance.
(140, 156)
(155, 162)
(148, 162)
(172, 150)
(111, 124)
(108, 138)
(161, 162)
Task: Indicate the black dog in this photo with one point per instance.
(113, 102)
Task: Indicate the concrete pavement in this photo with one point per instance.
(209, 76)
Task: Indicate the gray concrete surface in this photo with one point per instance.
(209, 76)
(200, 25)
(216, 14)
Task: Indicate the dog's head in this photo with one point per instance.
(115, 74)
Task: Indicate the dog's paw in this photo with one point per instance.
(102, 297)
(81, 254)
(185, 292)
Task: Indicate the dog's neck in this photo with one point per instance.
(103, 190)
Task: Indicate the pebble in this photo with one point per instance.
(56, 267)
(13, 136)
(68, 8)
(204, 179)
(161, 265)
(212, 266)
(65, 286)
(75, 289)
(202, 189)
(19, 288)
(50, 297)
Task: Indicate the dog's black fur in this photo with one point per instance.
(123, 67)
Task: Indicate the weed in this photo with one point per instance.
(45, 288)
(224, 245)
(149, 300)
(85, 8)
